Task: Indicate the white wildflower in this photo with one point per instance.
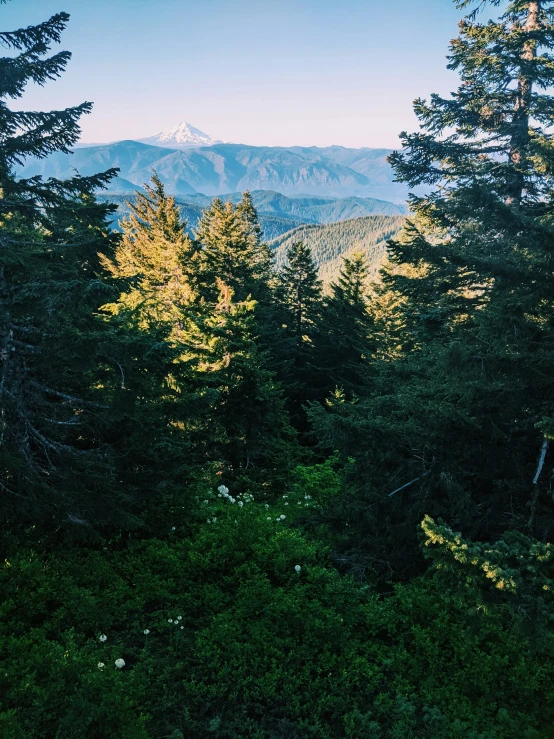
(119, 663)
(240, 503)
(182, 627)
(169, 620)
(146, 632)
(286, 503)
(102, 638)
(101, 665)
(269, 518)
(223, 490)
(179, 618)
(298, 569)
(214, 519)
(282, 516)
(173, 528)
(267, 505)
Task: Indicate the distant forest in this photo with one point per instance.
(330, 243)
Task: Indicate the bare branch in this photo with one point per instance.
(542, 457)
(407, 485)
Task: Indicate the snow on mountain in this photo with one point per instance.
(183, 136)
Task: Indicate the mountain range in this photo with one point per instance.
(333, 171)
(278, 213)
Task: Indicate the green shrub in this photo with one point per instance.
(241, 644)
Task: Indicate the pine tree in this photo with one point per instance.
(252, 435)
(231, 249)
(207, 393)
(155, 258)
(453, 428)
(236, 282)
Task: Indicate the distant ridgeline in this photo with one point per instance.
(329, 172)
(331, 227)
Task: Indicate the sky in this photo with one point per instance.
(259, 72)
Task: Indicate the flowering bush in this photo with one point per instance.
(245, 629)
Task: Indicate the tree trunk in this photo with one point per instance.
(519, 143)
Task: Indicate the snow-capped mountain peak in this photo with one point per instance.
(182, 136)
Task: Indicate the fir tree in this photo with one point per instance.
(252, 435)
(232, 251)
(453, 428)
(159, 341)
(155, 259)
(344, 342)
(55, 458)
(300, 295)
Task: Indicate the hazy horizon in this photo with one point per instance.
(273, 74)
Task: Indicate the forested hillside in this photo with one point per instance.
(235, 505)
(330, 243)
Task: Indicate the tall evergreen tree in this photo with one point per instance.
(300, 296)
(455, 427)
(155, 258)
(54, 454)
(159, 341)
(232, 251)
(208, 394)
(344, 340)
(252, 434)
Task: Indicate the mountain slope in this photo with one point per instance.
(332, 172)
(182, 136)
(330, 242)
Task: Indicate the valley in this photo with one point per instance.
(330, 227)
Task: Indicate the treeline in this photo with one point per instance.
(235, 505)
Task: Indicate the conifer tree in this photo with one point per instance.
(232, 251)
(252, 434)
(455, 425)
(54, 454)
(344, 341)
(300, 296)
(155, 258)
(236, 283)
(159, 338)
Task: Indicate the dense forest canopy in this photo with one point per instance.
(236, 504)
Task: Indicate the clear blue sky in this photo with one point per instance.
(267, 72)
